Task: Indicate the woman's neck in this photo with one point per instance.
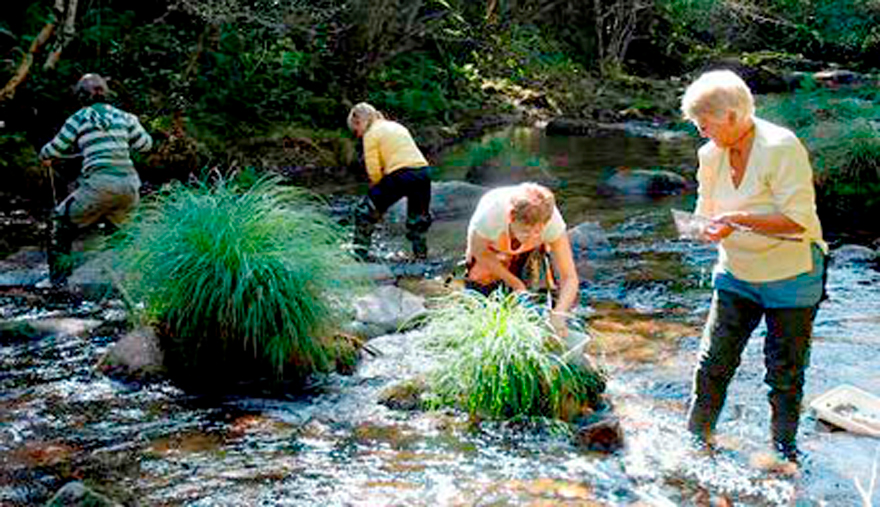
(743, 142)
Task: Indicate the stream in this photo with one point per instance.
(646, 298)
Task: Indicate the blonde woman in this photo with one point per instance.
(508, 226)
(396, 169)
(756, 187)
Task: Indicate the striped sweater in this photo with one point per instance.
(104, 135)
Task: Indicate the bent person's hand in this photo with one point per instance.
(558, 321)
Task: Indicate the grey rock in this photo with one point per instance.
(589, 241)
(849, 254)
(136, 356)
(837, 77)
(77, 494)
(643, 182)
(450, 200)
(388, 308)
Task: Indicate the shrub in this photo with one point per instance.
(238, 281)
(501, 360)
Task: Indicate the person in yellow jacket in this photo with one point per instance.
(396, 169)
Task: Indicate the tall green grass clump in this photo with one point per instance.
(501, 360)
(239, 282)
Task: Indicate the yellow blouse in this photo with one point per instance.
(778, 179)
(388, 146)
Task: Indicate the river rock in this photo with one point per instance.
(589, 241)
(77, 494)
(570, 127)
(600, 433)
(388, 308)
(836, 77)
(136, 356)
(849, 254)
(450, 200)
(34, 329)
(405, 395)
(643, 182)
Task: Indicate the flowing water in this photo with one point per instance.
(645, 299)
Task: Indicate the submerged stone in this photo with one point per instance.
(136, 356)
(77, 494)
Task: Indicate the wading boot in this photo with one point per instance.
(61, 236)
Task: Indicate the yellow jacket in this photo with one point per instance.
(388, 146)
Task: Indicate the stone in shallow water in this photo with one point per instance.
(388, 307)
(600, 433)
(136, 356)
(76, 494)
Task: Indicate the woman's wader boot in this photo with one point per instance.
(365, 219)
(786, 355)
(62, 233)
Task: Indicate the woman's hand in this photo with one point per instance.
(723, 225)
(558, 321)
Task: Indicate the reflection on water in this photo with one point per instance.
(155, 445)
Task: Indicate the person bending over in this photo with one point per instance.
(108, 187)
(396, 169)
(510, 226)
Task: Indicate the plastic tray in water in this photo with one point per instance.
(850, 408)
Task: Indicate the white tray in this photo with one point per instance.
(850, 408)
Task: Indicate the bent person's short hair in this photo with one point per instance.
(364, 112)
(91, 88)
(716, 93)
(532, 204)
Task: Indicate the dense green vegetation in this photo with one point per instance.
(501, 360)
(268, 83)
(240, 283)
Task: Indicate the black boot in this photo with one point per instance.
(365, 218)
(417, 232)
(61, 236)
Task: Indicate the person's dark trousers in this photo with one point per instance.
(412, 183)
(786, 356)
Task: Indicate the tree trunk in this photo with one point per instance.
(27, 61)
(67, 32)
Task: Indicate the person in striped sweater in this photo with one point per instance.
(108, 188)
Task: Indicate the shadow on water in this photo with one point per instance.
(155, 445)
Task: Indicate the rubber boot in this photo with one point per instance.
(61, 236)
(416, 232)
(365, 218)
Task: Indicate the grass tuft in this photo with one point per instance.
(238, 279)
(502, 361)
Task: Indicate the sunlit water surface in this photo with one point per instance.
(336, 445)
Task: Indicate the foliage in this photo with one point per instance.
(840, 131)
(501, 360)
(824, 30)
(237, 277)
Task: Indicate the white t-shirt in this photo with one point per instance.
(490, 219)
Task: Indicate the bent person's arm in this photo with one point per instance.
(373, 158)
(488, 261)
(563, 263)
(62, 142)
(138, 138)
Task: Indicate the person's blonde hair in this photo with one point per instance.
(364, 112)
(532, 204)
(716, 93)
